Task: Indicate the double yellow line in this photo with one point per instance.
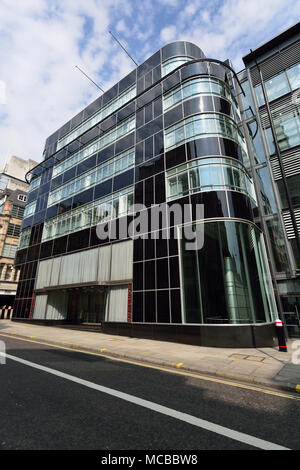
(164, 369)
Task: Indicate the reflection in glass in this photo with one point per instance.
(101, 173)
(197, 87)
(278, 245)
(209, 174)
(259, 95)
(294, 76)
(266, 191)
(277, 86)
(227, 281)
(287, 128)
(102, 210)
(201, 126)
(172, 64)
(256, 142)
(104, 112)
(247, 100)
(102, 142)
(293, 183)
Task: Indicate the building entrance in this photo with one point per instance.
(86, 305)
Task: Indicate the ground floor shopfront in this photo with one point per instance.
(224, 293)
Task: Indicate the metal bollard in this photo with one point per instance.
(281, 336)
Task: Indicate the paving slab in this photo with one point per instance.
(267, 367)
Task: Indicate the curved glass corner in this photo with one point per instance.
(227, 280)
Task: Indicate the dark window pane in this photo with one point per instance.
(174, 272)
(138, 253)
(138, 276)
(150, 308)
(149, 244)
(175, 306)
(162, 273)
(137, 309)
(161, 248)
(150, 275)
(163, 306)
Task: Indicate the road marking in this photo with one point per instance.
(198, 422)
(156, 367)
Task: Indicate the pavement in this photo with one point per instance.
(267, 367)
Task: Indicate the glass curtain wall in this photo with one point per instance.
(203, 126)
(227, 280)
(105, 111)
(209, 174)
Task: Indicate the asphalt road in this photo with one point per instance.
(83, 401)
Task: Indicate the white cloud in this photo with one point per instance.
(40, 44)
(229, 28)
(41, 41)
(168, 34)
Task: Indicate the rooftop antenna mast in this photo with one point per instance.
(123, 48)
(76, 66)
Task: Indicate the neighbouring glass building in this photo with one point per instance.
(271, 118)
(181, 129)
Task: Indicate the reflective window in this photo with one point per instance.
(172, 64)
(266, 190)
(294, 76)
(278, 245)
(247, 100)
(102, 210)
(24, 238)
(287, 128)
(29, 209)
(34, 184)
(277, 86)
(208, 174)
(106, 139)
(293, 183)
(296, 252)
(108, 109)
(259, 95)
(203, 125)
(103, 172)
(270, 140)
(226, 281)
(256, 142)
(198, 87)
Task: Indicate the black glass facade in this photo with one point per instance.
(152, 153)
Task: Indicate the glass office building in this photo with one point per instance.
(271, 117)
(170, 132)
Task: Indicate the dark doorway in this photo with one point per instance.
(86, 306)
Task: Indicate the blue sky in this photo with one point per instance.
(41, 42)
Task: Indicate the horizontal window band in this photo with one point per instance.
(99, 174)
(198, 87)
(106, 139)
(201, 126)
(111, 107)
